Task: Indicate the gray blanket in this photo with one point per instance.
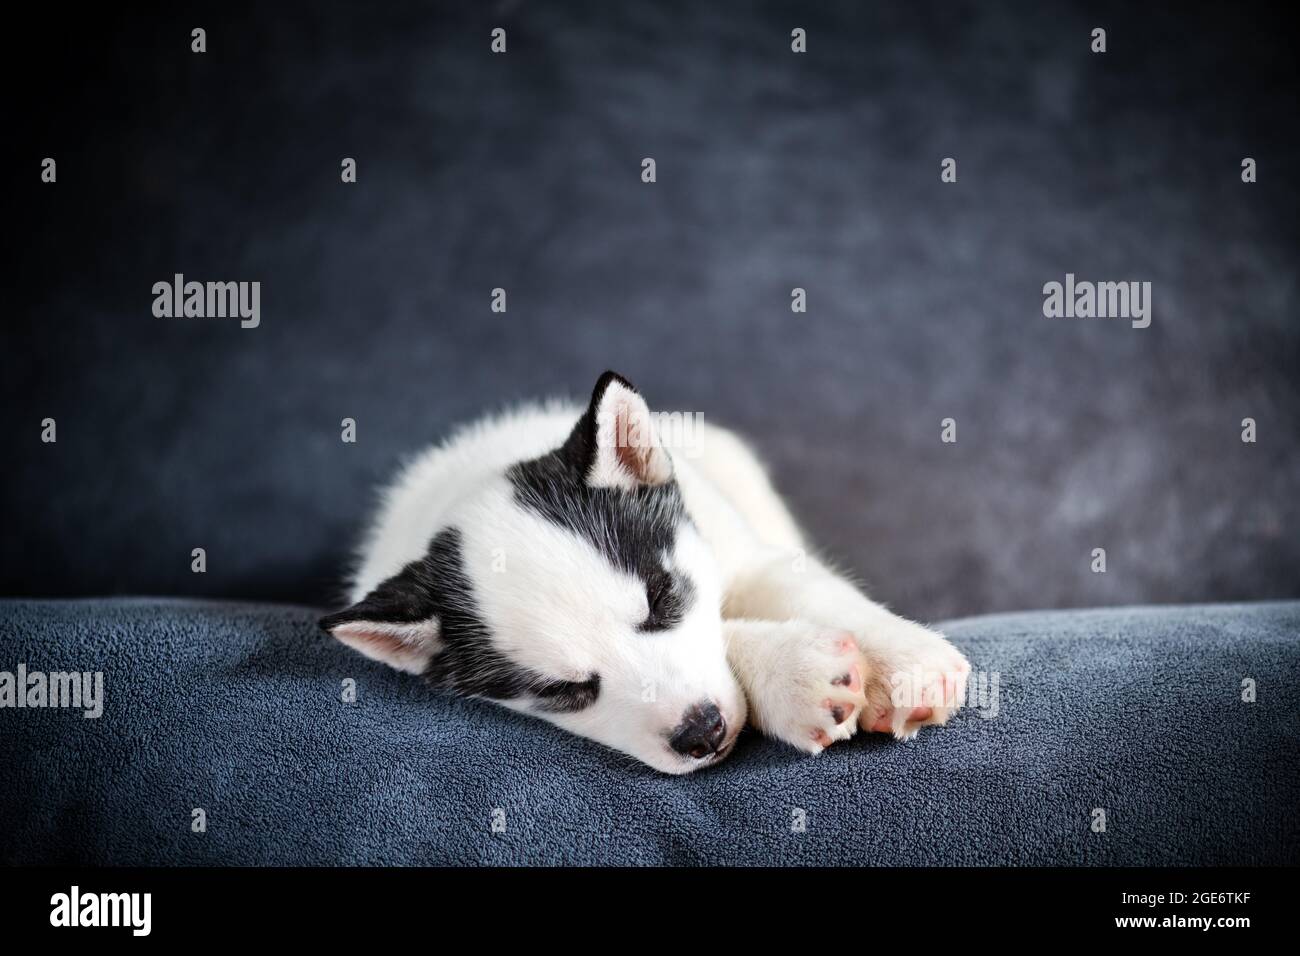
(1114, 737)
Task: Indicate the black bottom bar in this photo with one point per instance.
(335, 905)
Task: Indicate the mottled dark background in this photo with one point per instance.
(775, 170)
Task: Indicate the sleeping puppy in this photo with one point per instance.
(565, 563)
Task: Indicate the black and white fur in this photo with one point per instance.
(561, 561)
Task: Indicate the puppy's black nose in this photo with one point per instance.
(701, 731)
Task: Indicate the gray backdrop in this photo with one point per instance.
(775, 170)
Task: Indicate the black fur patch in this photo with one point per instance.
(468, 663)
(633, 529)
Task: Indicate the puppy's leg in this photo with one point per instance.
(803, 681)
(912, 676)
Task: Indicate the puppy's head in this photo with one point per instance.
(574, 587)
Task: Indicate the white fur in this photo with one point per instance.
(555, 605)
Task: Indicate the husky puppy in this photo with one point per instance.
(565, 563)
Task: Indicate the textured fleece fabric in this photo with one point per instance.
(237, 709)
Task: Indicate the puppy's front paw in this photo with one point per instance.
(915, 678)
(804, 682)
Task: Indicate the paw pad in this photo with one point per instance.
(852, 680)
(840, 710)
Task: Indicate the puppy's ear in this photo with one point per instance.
(614, 444)
(395, 623)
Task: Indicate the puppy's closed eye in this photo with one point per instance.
(667, 598)
(656, 590)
